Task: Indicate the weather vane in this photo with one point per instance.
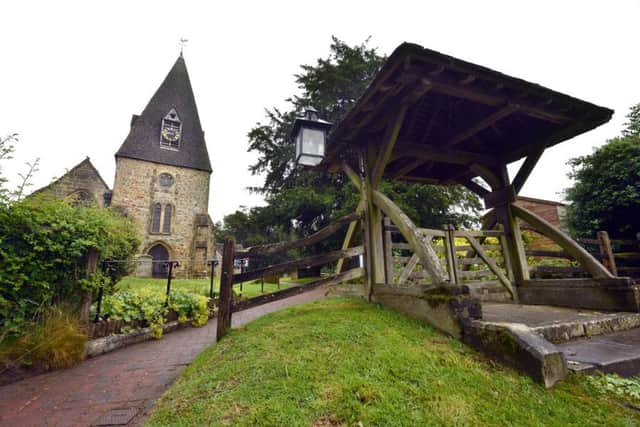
(183, 42)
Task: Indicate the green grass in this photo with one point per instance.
(201, 286)
(342, 362)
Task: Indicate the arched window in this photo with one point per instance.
(155, 219)
(166, 225)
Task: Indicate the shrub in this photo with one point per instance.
(43, 249)
(56, 339)
(150, 305)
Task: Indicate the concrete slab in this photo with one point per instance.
(560, 324)
(612, 353)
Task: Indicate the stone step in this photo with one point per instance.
(617, 353)
(558, 324)
(488, 291)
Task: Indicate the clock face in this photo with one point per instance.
(171, 134)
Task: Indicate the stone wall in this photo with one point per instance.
(81, 180)
(137, 188)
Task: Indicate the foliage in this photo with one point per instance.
(301, 201)
(43, 248)
(606, 193)
(147, 304)
(345, 362)
(626, 388)
(56, 339)
(633, 125)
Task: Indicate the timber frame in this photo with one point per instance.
(434, 119)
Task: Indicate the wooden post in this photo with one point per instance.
(225, 296)
(504, 246)
(450, 253)
(388, 253)
(517, 258)
(87, 296)
(374, 220)
(366, 232)
(606, 252)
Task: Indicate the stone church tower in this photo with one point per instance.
(162, 178)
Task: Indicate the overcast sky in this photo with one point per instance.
(72, 73)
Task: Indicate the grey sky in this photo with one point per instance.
(74, 72)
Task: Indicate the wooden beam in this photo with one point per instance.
(424, 250)
(587, 261)
(408, 269)
(476, 188)
(294, 290)
(481, 125)
(353, 226)
(311, 261)
(388, 142)
(388, 252)
(490, 263)
(225, 296)
(373, 219)
(474, 95)
(404, 170)
(352, 175)
(263, 250)
(442, 155)
(525, 169)
(487, 174)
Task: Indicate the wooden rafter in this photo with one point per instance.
(410, 166)
(482, 124)
(442, 155)
(487, 174)
(390, 138)
(525, 169)
(476, 188)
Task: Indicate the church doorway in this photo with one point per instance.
(160, 254)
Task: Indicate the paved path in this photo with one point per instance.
(133, 377)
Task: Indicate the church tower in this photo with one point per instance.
(162, 178)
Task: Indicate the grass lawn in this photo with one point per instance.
(201, 286)
(342, 361)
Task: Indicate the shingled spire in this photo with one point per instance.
(144, 140)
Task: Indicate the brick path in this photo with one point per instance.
(135, 376)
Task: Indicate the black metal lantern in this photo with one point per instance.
(310, 135)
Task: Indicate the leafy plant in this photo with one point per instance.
(627, 388)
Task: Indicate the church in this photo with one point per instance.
(161, 182)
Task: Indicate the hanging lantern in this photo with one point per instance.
(310, 135)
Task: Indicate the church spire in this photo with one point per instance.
(168, 131)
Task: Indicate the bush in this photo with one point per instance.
(56, 339)
(43, 249)
(149, 305)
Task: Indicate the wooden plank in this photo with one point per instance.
(556, 269)
(388, 143)
(606, 253)
(491, 264)
(408, 269)
(388, 252)
(226, 281)
(311, 261)
(348, 238)
(442, 155)
(272, 248)
(525, 169)
(479, 233)
(470, 261)
(403, 246)
(587, 261)
(424, 250)
(432, 232)
(354, 273)
(482, 125)
(548, 254)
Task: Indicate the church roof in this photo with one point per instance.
(143, 141)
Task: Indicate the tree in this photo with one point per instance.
(300, 201)
(606, 193)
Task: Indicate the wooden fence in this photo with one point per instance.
(620, 257)
(228, 279)
(473, 258)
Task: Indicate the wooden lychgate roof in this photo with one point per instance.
(458, 118)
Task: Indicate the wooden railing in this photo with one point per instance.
(620, 256)
(228, 278)
(474, 261)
